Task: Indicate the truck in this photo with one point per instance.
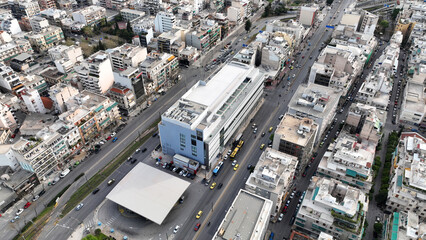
(65, 172)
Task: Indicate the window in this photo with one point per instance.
(199, 135)
(182, 141)
(194, 150)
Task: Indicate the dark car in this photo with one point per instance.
(220, 186)
(95, 191)
(133, 160)
(292, 220)
(144, 150)
(263, 134)
(154, 135)
(42, 192)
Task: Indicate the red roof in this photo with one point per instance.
(116, 90)
(47, 102)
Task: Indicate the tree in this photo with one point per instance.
(329, 2)
(395, 13)
(384, 24)
(378, 228)
(101, 46)
(267, 11)
(248, 25)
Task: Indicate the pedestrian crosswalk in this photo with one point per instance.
(94, 224)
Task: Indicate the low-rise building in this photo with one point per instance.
(349, 162)
(12, 49)
(38, 23)
(296, 136)
(272, 178)
(407, 188)
(9, 81)
(53, 15)
(126, 55)
(248, 218)
(413, 107)
(45, 39)
(316, 102)
(131, 14)
(332, 207)
(89, 15)
(8, 23)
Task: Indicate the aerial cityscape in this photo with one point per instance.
(212, 119)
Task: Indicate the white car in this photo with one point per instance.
(280, 218)
(79, 206)
(113, 134)
(176, 229)
(234, 162)
(21, 210)
(101, 143)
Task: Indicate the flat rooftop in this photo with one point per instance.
(149, 192)
(296, 129)
(315, 100)
(247, 218)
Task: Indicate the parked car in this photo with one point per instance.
(111, 181)
(176, 229)
(42, 192)
(27, 205)
(35, 198)
(21, 210)
(115, 139)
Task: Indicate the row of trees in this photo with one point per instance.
(279, 10)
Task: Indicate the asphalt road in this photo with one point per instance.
(64, 227)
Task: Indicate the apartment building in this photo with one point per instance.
(131, 15)
(349, 162)
(95, 73)
(157, 70)
(407, 187)
(47, 38)
(202, 122)
(332, 207)
(367, 121)
(368, 22)
(296, 136)
(92, 113)
(123, 96)
(65, 57)
(132, 79)
(316, 102)
(12, 49)
(234, 15)
(7, 119)
(126, 55)
(244, 6)
(405, 226)
(33, 101)
(205, 37)
(24, 8)
(272, 178)
(307, 15)
(172, 42)
(164, 22)
(290, 27)
(60, 93)
(53, 15)
(8, 23)
(38, 24)
(89, 15)
(413, 108)
(145, 29)
(47, 4)
(119, 4)
(9, 81)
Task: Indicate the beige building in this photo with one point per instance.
(46, 38)
(123, 96)
(296, 136)
(272, 178)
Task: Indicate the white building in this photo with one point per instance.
(53, 15)
(89, 15)
(405, 226)
(8, 23)
(38, 24)
(204, 119)
(8, 79)
(272, 178)
(65, 57)
(95, 73)
(164, 22)
(60, 94)
(145, 29)
(332, 207)
(126, 55)
(248, 218)
(33, 101)
(350, 162)
(307, 15)
(131, 14)
(7, 120)
(234, 15)
(244, 6)
(413, 108)
(407, 188)
(7, 157)
(368, 23)
(316, 102)
(290, 27)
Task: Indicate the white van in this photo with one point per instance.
(64, 173)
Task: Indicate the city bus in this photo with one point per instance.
(234, 152)
(240, 144)
(217, 168)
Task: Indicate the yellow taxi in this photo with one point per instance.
(236, 167)
(213, 186)
(262, 146)
(199, 214)
(270, 129)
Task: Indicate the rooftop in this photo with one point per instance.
(296, 129)
(314, 100)
(149, 192)
(247, 218)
